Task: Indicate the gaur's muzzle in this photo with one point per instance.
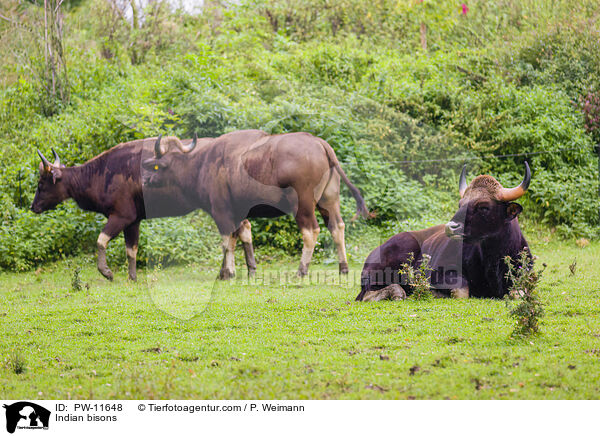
(455, 230)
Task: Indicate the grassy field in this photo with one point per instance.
(294, 340)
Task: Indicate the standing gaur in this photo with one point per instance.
(249, 174)
(110, 184)
(467, 254)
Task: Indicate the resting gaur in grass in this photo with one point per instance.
(467, 254)
(110, 184)
(249, 174)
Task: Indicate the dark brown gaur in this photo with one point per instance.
(249, 173)
(110, 184)
(467, 254)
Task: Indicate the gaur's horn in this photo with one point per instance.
(462, 184)
(184, 148)
(157, 150)
(56, 159)
(189, 147)
(44, 160)
(510, 194)
(192, 144)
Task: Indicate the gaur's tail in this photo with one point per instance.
(361, 207)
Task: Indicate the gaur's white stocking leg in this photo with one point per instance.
(309, 240)
(329, 207)
(103, 240)
(309, 227)
(113, 227)
(132, 236)
(336, 226)
(245, 235)
(228, 265)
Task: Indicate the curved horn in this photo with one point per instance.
(185, 148)
(192, 145)
(56, 158)
(462, 184)
(510, 194)
(157, 149)
(44, 160)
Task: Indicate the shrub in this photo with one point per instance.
(524, 280)
(590, 107)
(565, 200)
(417, 279)
(76, 283)
(27, 240)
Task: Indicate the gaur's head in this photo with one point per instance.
(485, 207)
(50, 190)
(158, 170)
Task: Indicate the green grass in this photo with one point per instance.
(290, 340)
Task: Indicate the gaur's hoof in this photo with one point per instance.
(302, 270)
(393, 292)
(460, 293)
(225, 274)
(343, 268)
(397, 292)
(106, 273)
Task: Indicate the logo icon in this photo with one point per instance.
(26, 415)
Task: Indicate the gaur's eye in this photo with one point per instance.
(484, 209)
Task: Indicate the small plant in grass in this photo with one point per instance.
(76, 282)
(17, 363)
(418, 278)
(524, 278)
(573, 267)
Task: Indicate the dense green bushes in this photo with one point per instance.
(490, 82)
(27, 240)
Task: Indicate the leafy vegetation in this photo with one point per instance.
(525, 278)
(383, 82)
(418, 279)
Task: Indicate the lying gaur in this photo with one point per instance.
(467, 255)
(248, 174)
(110, 184)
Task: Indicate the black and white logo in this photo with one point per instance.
(26, 415)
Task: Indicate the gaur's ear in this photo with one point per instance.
(56, 174)
(512, 211)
